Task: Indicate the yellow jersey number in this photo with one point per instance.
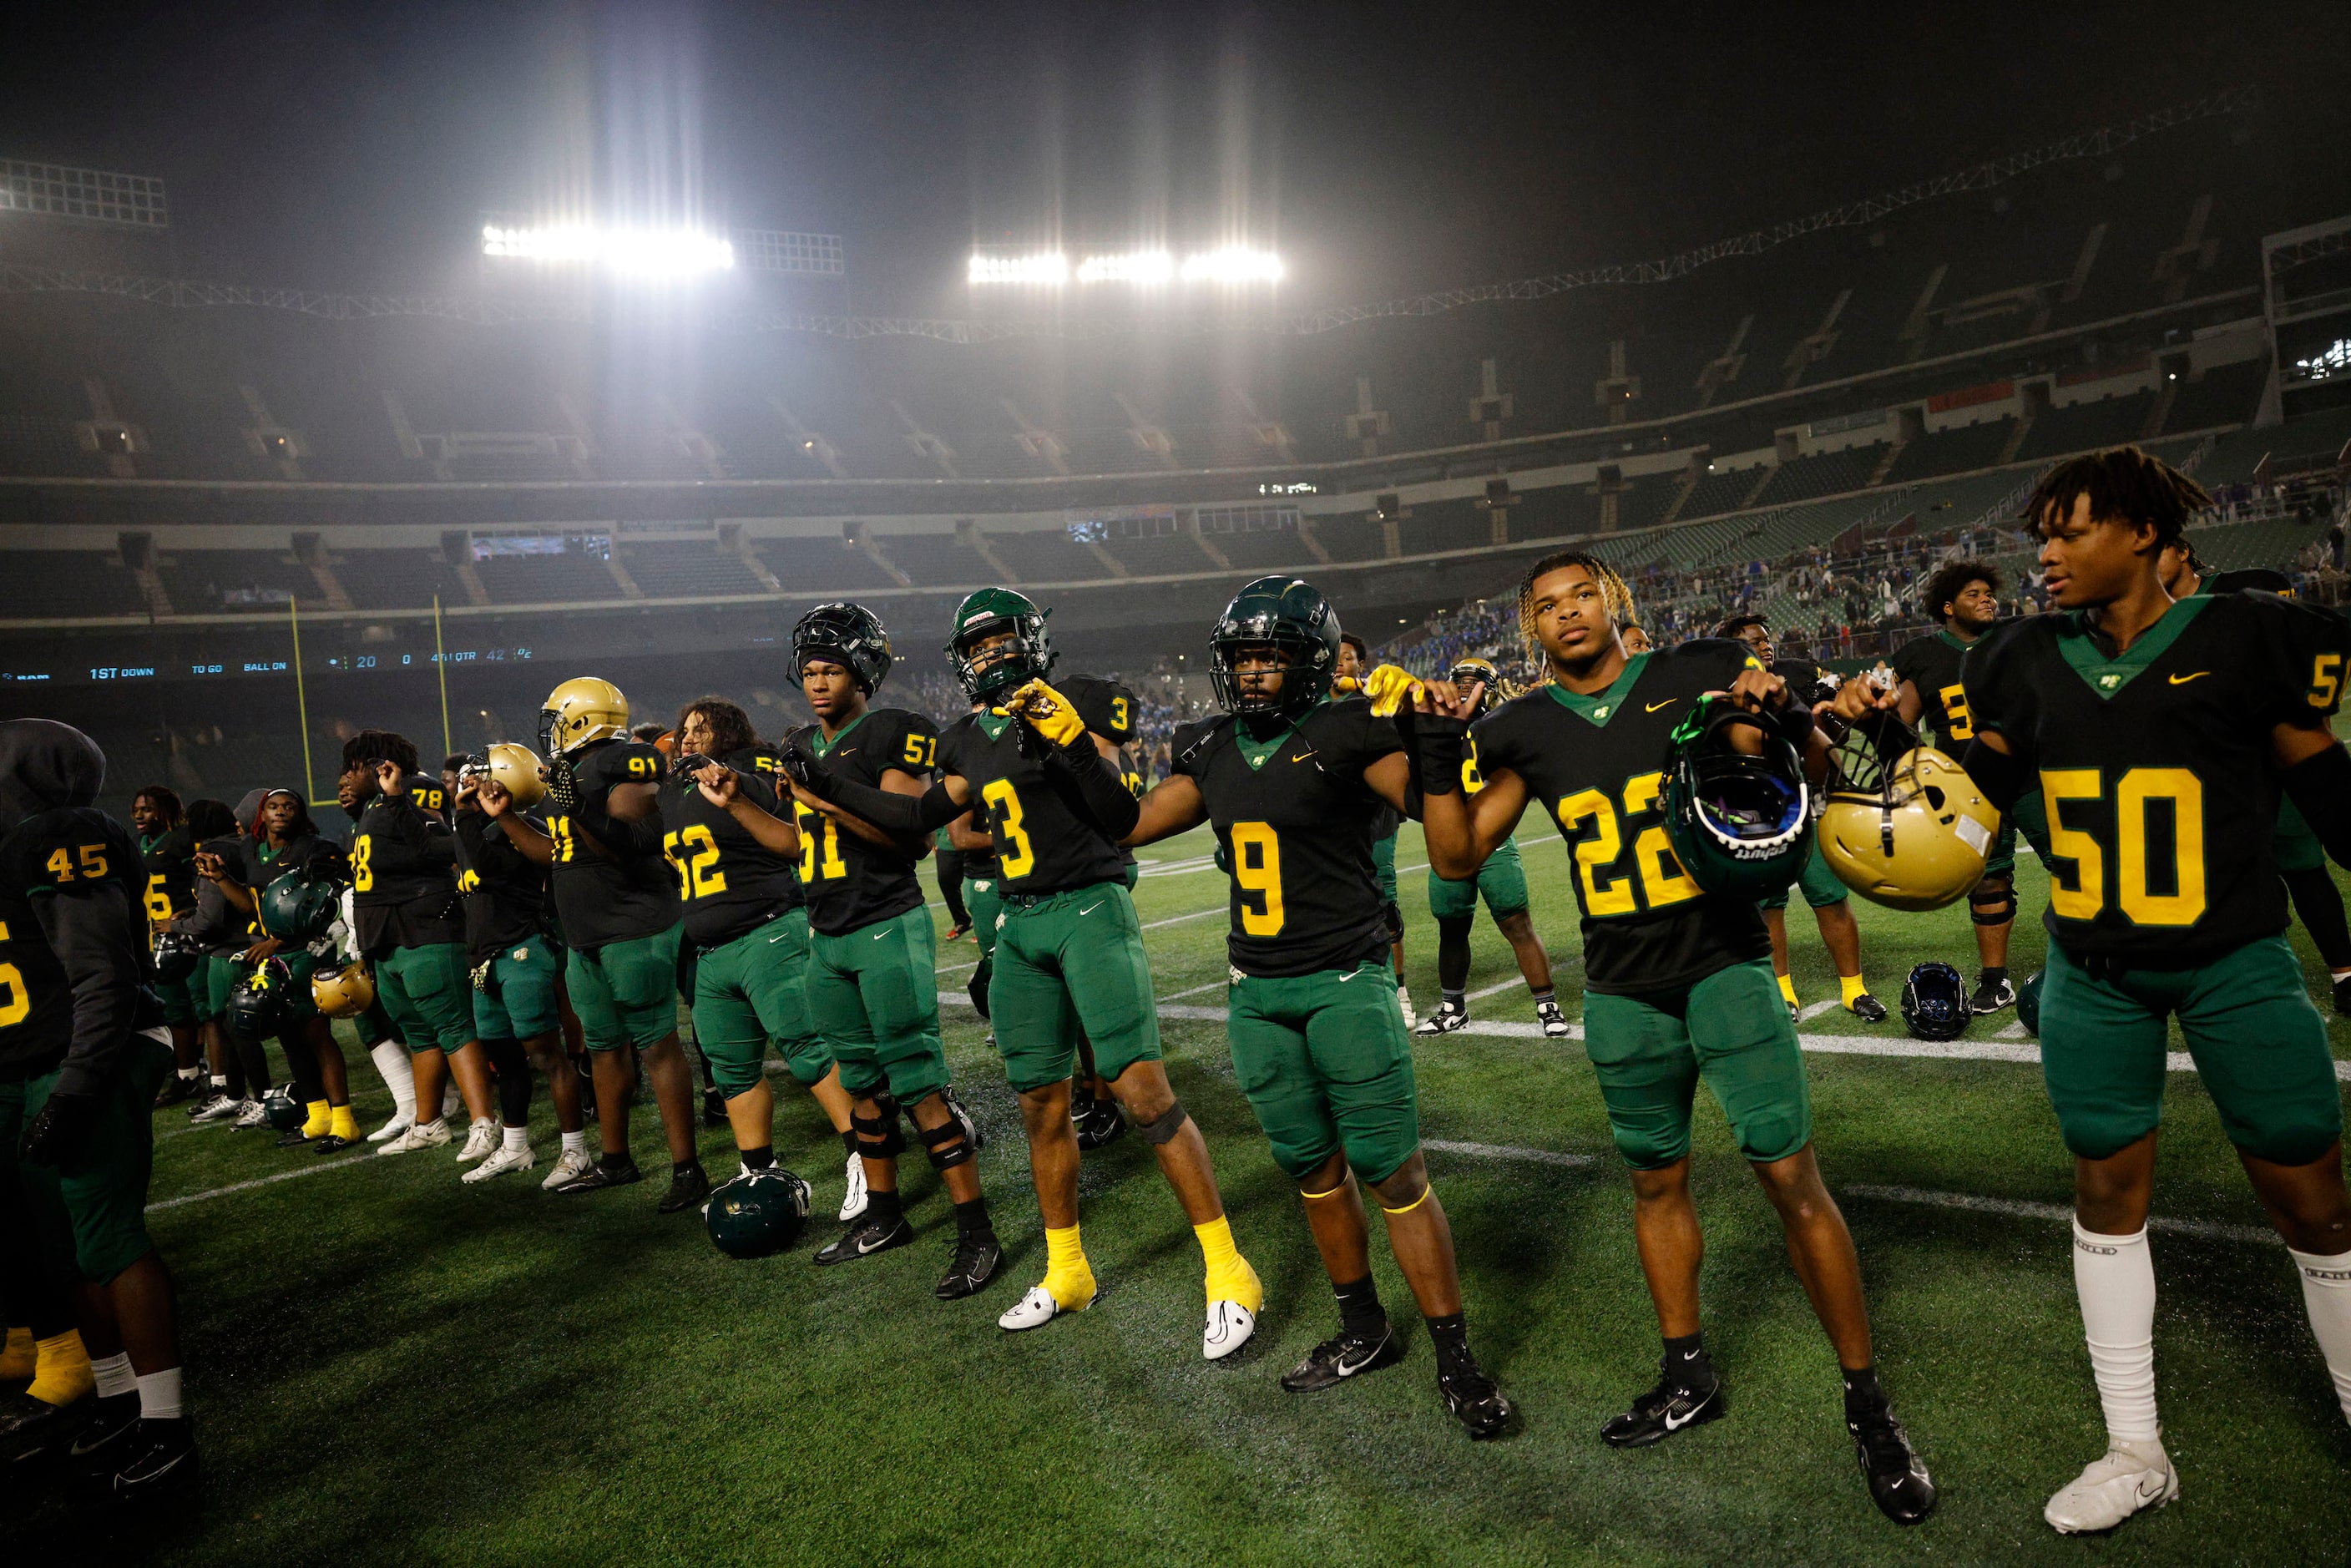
(159, 903)
(15, 1000)
(1655, 879)
(63, 865)
(566, 847)
(922, 751)
(363, 868)
(1015, 856)
(1960, 722)
(2325, 680)
(694, 853)
(1257, 871)
(2130, 889)
(820, 845)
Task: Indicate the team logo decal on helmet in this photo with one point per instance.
(847, 634)
(995, 612)
(284, 1112)
(2028, 1001)
(1935, 1002)
(1741, 823)
(1910, 835)
(1291, 617)
(581, 711)
(518, 771)
(759, 1213)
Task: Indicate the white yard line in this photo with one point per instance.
(258, 1181)
(2056, 1213)
(1507, 1152)
(1817, 1008)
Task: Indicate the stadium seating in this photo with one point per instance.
(54, 584)
(203, 581)
(684, 570)
(396, 579)
(1952, 450)
(570, 578)
(2086, 426)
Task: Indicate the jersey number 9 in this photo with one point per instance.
(1257, 870)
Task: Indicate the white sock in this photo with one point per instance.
(2113, 1276)
(159, 1396)
(392, 1061)
(190, 1075)
(428, 1126)
(2326, 1294)
(220, 1084)
(575, 1142)
(2339, 974)
(517, 1138)
(114, 1374)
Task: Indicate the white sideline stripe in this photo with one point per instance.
(2056, 1212)
(1506, 1152)
(1817, 1008)
(1196, 991)
(257, 1181)
(2014, 1030)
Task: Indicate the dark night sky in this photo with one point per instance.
(1383, 147)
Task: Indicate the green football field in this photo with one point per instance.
(386, 1367)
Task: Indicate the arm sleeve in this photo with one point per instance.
(2321, 787)
(91, 930)
(905, 816)
(2305, 649)
(1997, 701)
(1101, 786)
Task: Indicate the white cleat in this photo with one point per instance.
(452, 1103)
(249, 1113)
(573, 1164)
(216, 1107)
(431, 1135)
(853, 1202)
(501, 1162)
(1554, 1022)
(1036, 1309)
(1403, 1000)
(2132, 1477)
(1229, 1328)
(401, 1122)
(481, 1139)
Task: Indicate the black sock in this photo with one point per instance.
(972, 1223)
(1995, 974)
(1360, 1312)
(760, 1158)
(1457, 1000)
(618, 1162)
(1863, 1397)
(1449, 1337)
(881, 1208)
(690, 1166)
(849, 1141)
(1551, 996)
(1687, 1361)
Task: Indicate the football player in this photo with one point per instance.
(167, 849)
(747, 915)
(1069, 947)
(618, 902)
(2300, 860)
(1294, 786)
(1830, 903)
(1676, 984)
(240, 1067)
(83, 1047)
(1501, 881)
(2160, 733)
(1354, 664)
(1965, 597)
(374, 1026)
(410, 927)
(873, 981)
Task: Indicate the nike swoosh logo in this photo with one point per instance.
(1653, 707)
(862, 1250)
(1345, 1369)
(2183, 680)
(1674, 1425)
(2148, 1494)
(1090, 908)
(879, 935)
(1302, 756)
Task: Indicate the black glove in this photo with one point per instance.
(1439, 740)
(800, 768)
(59, 1135)
(562, 784)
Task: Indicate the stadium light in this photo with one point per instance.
(1047, 268)
(644, 252)
(1141, 266)
(1233, 263)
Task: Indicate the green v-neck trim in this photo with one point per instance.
(1951, 642)
(2106, 676)
(1255, 752)
(824, 747)
(1600, 709)
(993, 724)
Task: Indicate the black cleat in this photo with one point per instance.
(1476, 1400)
(1899, 1481)
(99, 1446)
(976, 1258)
(1868, 1008)
(160, 1458)
(601, 1175)
(175, 1090)
(688, 1189)
(30, 1428)
(1448, 1016)
(1665, 1410)
(713, 1109)
(1101, 1124)
(1341, 1357)
(1991, 996)
(293, 1139)
(863, 1237)
(332, 1143)
(2343, 996)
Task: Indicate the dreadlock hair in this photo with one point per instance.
(166, 799)
(1613, 594)
(1950, 581)
(2121, 482)
(370, 746)
(730, 726)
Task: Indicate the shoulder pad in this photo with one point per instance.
(426, 792)
(67, 847)
(1194, 737)
(629, 761)
(1107, 707)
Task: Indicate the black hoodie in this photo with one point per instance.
(74, 962)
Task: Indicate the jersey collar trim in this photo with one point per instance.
(1599, 709)
(2106, 676)
(993, 722)
(824, 747)
(1945, 637)
(1255, 752)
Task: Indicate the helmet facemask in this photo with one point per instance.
(988, 675)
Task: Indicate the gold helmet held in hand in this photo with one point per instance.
(1910, 835)
(343, 993)
(517, 770)
(579, 711)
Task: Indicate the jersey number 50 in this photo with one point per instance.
(2133, 886)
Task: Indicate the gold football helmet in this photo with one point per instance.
(581, 710)
(1912, 835)
(516, 770)
(343, 993)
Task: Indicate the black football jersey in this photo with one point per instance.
(850, 883)
(1595, 766)
(403, 870)
(219, 925)
(68, 850)
(2156, 768)
(1109, 710)
(602, 895)
(1931, 664)
(1807, 682)
(168, 859)
(1046, 840)
(727, 880)
(1294, 820)
(504, 890)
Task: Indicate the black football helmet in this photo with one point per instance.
(849, 635)
(1290, 616)
(1935, 1002)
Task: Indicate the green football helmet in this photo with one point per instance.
(1290, 615)
(848, 634)
(284, 1110)
(299, 907)
(759, 1213)
(2028, 1002)
(993, 613)
(1741, 825)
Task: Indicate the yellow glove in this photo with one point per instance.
(1348, 687)
(1047, 712)
(1390, 687)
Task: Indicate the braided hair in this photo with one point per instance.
(1613, 594)
(2121, 482)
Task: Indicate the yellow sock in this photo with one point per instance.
(342, 1123)
(1230, 1278)
(16, 1362)
(1851, 985)
(315, 1125)
(1788, 988)
(1068, 1278)
(65, 1374)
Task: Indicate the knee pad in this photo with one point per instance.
(878, 1137)
(1992, 906)
(934, 1140)
(1168, 1123)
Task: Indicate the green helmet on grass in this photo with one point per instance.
(284, 1110)
(759, 1213)
(998, 613)
(2028, 1002)
(1741, 824)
